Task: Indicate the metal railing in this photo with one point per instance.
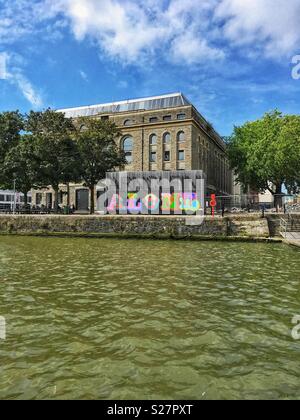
(284, 224)
(292, 224)
(19, 210)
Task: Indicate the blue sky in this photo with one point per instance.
(231, 58)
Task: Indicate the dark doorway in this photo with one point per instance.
(82, 200)
(49, 200)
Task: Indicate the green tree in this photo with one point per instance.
(48, 122)
(99, 153)
(265, 154)
(55, 149)
(11, 125)
(290, 144)
(21, 165)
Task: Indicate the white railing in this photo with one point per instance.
(284, 224)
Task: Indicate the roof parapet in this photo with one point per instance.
(143, 104)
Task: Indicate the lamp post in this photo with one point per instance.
(14, 208)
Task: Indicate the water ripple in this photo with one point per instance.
(148, 319)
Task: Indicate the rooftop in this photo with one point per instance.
(144, 104)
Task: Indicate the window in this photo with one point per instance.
(2, 197)
(128, 148)
(153, 139)
(38, 199)
(167, 118)
(128, 144)
(181, 137)
(152, 157)
(153, 119)
(61, 197)
(128, 122)
(181, 155)
(167, 138)
(49, 200)
(104, 118)
(128, 157)
(181, 116)
(167, 156)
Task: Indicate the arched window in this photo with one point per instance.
(167, 138)
(128, 122)
(166, 148)
(180, 137)
(128, 148)
(153, 139)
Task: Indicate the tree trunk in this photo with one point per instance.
(92, 200)
(68, 195)
(56, 192)
(278, 197)
(25, 198)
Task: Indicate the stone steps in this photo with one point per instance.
(293, 236)
(293, 228)
(293, 224)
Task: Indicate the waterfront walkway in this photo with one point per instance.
(293, 238)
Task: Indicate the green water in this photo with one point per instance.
(129, 319)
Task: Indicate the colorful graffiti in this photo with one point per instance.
(176, 202)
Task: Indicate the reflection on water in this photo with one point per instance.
(130, 319)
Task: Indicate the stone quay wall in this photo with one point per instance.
(230, 227)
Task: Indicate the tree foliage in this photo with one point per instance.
(98, 150)
(55, 149)
(45, 149)
(11, 125)
(265, 154)
(21, 165)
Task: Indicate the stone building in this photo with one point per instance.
(161, 133)
(10, 199)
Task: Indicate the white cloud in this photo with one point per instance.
(133, 31)
(189, 31)
(122, 29)
(14, 75)
(188, 49)
(27, 90)
(83, 75)
(3, 66)
(141, 31)
(271, 25)
(20, 18)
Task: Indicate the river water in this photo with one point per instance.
(135, 319)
